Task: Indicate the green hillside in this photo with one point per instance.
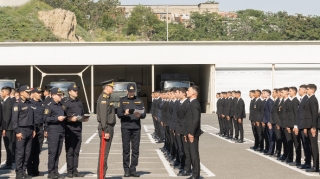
(22, 24)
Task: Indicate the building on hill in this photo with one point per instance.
(176, 13)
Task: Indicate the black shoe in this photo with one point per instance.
(253, 148)
(184, 173)
(289, 161)
(305, 166)
(26, 176)
(51, 175)
(134, 174)
(176, 163)
(58, 176)
(265, 151)
(259, 150)
(19, 176)
(312, 170)
(69, 175)
(269, 153)
(283, 158)
(239, 141)
(295, 164)
(235, 139)
(276, 154)
(126, 174)
(37, 174)
(77, 174)
(6, 167)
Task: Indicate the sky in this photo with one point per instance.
(305, 7)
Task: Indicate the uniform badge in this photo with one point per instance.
(255, 106)
(33, 107)
(46, 111)
(15, 108)
(137, 102)
(105, 96)
(103, 102)
(39, 89)
(24, 108)
(74, 86)
(63, 107)
(111, 104)
(131, 87)
(280, 107)
(125, 102)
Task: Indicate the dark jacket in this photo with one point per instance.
(7, 114)
(295, 109)
(181, 114)
(240, 111)
(193, 118)
(130, 121)
(257, 114)
(105, 113)
(251, 109)
(227, 106)
(233, 106)
(219, 106)
(286, 114)
(311, 113)
(275, 115)
(174, 112)
(267, 116)
(301, 111)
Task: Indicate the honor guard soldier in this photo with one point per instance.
(75, 113)
(54, 116)
(130, 112)
(107, 120)
(23, 126)
(38, 112)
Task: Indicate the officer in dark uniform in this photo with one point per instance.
(131, 129)
(38, 112)
(54, 116)
(46, 95)
(107, 120)
(74, 110)
(23, 125)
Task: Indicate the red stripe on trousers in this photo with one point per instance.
(102, 148)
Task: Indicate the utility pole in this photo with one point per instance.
(167, 23)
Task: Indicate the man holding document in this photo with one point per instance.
(130, 112)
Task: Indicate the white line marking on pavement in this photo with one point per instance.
(145, 128)
(245, 139)
(206, 170)
(151, 139)
(64, 167)
(284, 164)
(166, 164)
(90, 138)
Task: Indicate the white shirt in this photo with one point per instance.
(310, 96)
(181, 101)
(6, 98)
(192, 99)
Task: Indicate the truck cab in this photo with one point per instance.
(120, 91)
(63, 85)
(8, 82)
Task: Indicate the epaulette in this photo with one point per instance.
(66, 99)
(49, 103)
(105, 96)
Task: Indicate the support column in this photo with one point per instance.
(31, 76)
(273, 76)
(213, 88)
(152, 76)
(92, 89)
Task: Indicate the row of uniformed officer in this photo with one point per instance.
(287, 122)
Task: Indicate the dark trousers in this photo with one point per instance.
(259, 134)
(226, 126)
(265, 138)
(72, 146)
(255, 135)
(181, 155)
(289, 143)
(9, 144)
(130, 137)
(278, 138)
(34, 160)
(195, 156)
(166, 137)
(230, 127)
(314, 148)
(173, 148)
(55, 142)
(220, 124)
(284, 142)
(240, 128)
(157, 129)
(297, 145)
(187, 166)
(306, 147)
(105, 145)
(162, 131)
(271, 138)
(236, 128)
(23, 150)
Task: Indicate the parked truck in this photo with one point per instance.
(63, 85)
(168, 81)
(120, 91)
(8, 82)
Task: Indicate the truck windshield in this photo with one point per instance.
(7, 83)
(120, 86)
(178, 84)
(62, 85)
